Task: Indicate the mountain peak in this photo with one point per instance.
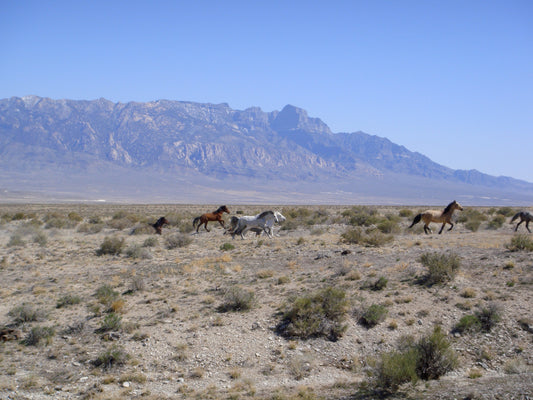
(292, 118)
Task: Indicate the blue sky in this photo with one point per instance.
(450, 79)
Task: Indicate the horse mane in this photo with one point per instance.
(221, 209)
(448, 207)
(264, 214)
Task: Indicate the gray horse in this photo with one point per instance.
(525, 216)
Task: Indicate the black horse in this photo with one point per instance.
(525, 216)
(158, 226)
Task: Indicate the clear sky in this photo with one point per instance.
(451, 79)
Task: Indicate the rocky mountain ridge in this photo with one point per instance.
(205, 140)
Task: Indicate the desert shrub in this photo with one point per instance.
(428, 358)
(40, 238)
(111, 245)
(442, 267)
(435, 355)
(361, 216)
(39, 334)
(16, 241)
(227, 246)
(473, 225)
(150, 242)
(496, 222)
(114, 356)
(136, 251)
(471, 214)
(405, 213)
(137, 285)
(373, 315)
(74, 216)
(489, 316)
(380, 284)
(26, 313)
(320, 314)
(60, 223)
(90, 228)
(483, 320)
(106, 295)
(68, 300)
(237, 299)
(370, 237)
(111, 322)
(121, 223)
(389, 225)
(520, 242)
(505, 211)
(177, 240)
(142, 229)
(396, 368)
(467, 323)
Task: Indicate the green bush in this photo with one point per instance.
(373, 315)
(237, 299)
(106, 295)
(520, 242)
(380, 284)
(428, 358)
(441, 267)
(473, 226)
(111, 245)
(397, 368)
(227, 247)
(489, 316)
(319, 314)
(468, 323)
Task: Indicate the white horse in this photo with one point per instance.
(263, 222)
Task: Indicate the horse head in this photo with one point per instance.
(279, 217)
(222, 209)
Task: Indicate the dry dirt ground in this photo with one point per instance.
(172, 339)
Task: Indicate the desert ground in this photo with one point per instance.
(96, 305)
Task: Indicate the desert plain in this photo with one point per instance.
(96, 305)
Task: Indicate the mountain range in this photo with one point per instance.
(175, 151)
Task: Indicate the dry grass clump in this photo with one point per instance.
(39, 334)
(483, 320)
(373, 315)
(114, 356)
(26, 313)
(237, 299)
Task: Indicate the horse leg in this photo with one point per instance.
(442, 227)
(517, 225)
(426, 229)
(451, 227)
(221, 222)
(527, 226)
(205, 226)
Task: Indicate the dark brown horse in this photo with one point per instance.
(213, 216)
(158, 226)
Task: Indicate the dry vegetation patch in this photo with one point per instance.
(344, 302)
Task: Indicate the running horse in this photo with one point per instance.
(437, 216)
(159, 225)
(525, 216)
(214, 216)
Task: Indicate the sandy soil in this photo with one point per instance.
(178, 342)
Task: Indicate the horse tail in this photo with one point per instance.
(416, 220)
(196, 221)
(515, 217)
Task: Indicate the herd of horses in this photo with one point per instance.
(264, 222)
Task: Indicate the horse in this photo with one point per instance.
(260, 222)
(159, 225)
(213, 216)
(233, 222)
(525, 216)
(437, 216)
